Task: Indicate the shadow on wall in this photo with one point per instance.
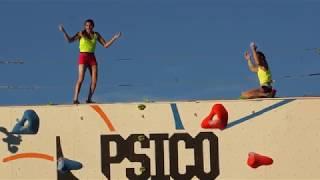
(11, 139)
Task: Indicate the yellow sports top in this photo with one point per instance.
(88, 45)
(264, 77)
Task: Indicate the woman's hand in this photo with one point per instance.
(116, 36)
(253, 46)
(247, 56)
(61, 28)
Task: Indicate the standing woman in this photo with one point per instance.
(87, 45)
(261, 67)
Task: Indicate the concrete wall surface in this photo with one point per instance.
(164, 140)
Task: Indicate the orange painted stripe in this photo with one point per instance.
(28, 155)
(104, 116)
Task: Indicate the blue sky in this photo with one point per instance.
(170, 49)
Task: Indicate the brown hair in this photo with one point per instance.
(84, 32)
(263, 60)
(89, 21)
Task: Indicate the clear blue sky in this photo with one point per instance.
(170, 49)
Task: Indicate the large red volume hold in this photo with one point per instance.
(221, 120)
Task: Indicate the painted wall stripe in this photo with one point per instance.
(176, 116)
(264, 110)
(59, 154)
(28, 155)
(103, 116)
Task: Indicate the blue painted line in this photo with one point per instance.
(176, 116)
(251, 116)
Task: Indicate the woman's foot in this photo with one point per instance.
(243, 97)
(76, 102)
(272, 94)
(90, 102)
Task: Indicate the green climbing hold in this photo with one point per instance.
(142, 169)
(141, 138)
(141, 106)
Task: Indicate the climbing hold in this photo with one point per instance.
(141, 138)
(255, 160)
(221, 119)
(29, 123)
(52, 103)
(141, 106)
(142, 169)
(65, 165)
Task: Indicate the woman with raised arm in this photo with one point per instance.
(259, 66)
(87, 44)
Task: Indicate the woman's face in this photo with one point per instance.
(88, 26)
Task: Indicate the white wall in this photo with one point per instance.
(284, 129)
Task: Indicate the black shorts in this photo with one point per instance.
(266, 89)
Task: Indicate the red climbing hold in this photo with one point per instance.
(221, 119)
(255, 160)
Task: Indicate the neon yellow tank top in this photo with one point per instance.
(88, 45)
(264, 77)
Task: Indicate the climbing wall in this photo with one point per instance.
(163, 140)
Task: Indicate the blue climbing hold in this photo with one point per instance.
(65, 165)
(29, 123)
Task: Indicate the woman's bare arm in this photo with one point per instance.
(256, 58)
(67, 37)
(109, 43)
(252, 67)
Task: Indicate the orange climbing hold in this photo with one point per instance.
(221, 118)
(255, 160)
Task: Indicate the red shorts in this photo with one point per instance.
(87, 59)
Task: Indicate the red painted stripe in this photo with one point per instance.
(28, 155)
(103, 116)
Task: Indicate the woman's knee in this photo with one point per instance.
(79, 81)
(245, 93)
(94, 83)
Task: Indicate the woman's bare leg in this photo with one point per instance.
(254, 93)
(94, 77)
(82, 70)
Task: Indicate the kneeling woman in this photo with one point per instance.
(260, 66)
(87, 39)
